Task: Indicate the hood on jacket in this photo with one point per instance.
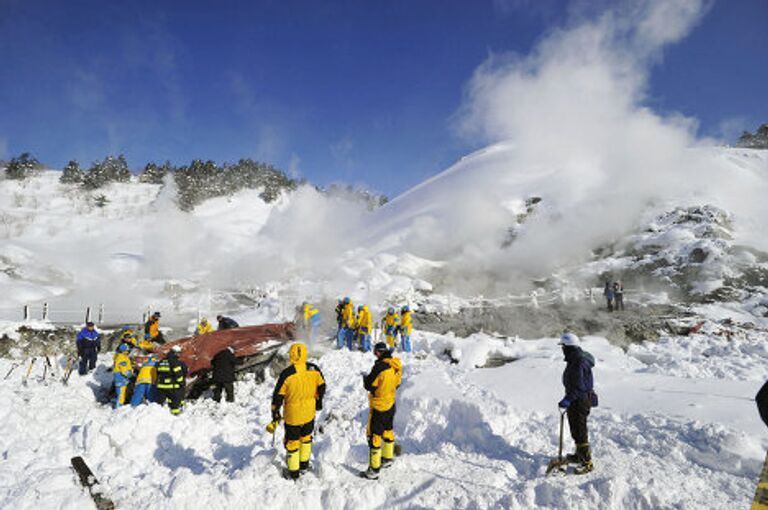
(575, 353)
(298, 353)
(395, 363)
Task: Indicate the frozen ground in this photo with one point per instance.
(666, 435)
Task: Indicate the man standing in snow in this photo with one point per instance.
(311, 321)
(406, 328)
(152, 331)
(224, 374)
(226, 323)
(88, 346)
(579, 398)
(618, 296)
(171, 380)
(300, 389)
(608, 293)
(381, 383)
(364, 322)
(347, 331)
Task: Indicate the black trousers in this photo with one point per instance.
(173, 397)
(228, 387)
(577, 420)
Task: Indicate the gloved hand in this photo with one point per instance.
(364, 330)
(146, 337)
(564, 404)
(272, 426)
(318, 405)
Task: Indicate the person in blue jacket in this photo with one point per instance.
(88, 347)
(579, 397)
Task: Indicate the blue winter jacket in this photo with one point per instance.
(577, 376)
(88, 341)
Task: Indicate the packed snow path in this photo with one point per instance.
(471, 438)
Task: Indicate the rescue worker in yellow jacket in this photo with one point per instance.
(152, 329)
(405, 328)
(122, 373)
(204, 327)
(364, 328)
(299, 390)
(129, 337)
(145, 382)
(381, 383)
(347, 332)
(390, 324)
(311, 321)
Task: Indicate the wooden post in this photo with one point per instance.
(45, 311)
(26, 312)
(87, 314)
(101, 313)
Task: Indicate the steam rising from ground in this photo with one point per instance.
(571, 127)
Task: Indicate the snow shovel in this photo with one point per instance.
(558, 463)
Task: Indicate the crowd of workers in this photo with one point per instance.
(301, 387)
(355, 329)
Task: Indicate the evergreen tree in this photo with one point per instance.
(111, 169)
(21, 167)
(72, 174)
(153, 174)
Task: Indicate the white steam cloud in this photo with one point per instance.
(569, 125)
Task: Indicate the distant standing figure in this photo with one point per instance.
(88, 347)
(406, 328)
(311, 320)
(226, 323)
(152, 329)
(608, 293)
(224, 374)
(618, 295)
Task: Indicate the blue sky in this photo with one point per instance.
(356, 91)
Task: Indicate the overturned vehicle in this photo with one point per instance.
(255, 347)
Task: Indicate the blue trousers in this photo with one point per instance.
(349, 338)
(142, 391)
(341, 335)
(314, 325)
(365, 342)
(405, 343)
(87, 362)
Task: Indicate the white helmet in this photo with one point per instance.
(176, 348)
(569, 339)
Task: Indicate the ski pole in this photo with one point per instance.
(560, 449)
(13, 367)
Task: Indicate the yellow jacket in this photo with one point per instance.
(123, 364)
(348, 316)
(405, 324)
(204, 328)
(153, 328)
(383, 381)
(365, 320)
(147, 374)
(299, 387)
(391, 320)
(309, 312)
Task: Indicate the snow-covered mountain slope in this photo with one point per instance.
(492, 222)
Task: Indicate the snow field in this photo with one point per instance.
(471, 438)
